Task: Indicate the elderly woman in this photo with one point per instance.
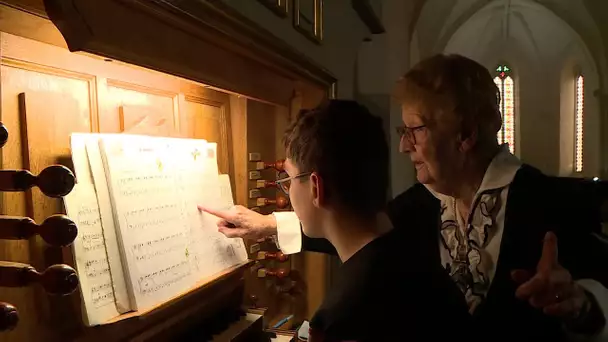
(521, 246)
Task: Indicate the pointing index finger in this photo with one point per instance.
(219, 213)
(548, 259)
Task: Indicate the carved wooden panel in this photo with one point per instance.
(144, 120)
(47, 120)
(209, 120)
(44, 104)
(138, 110)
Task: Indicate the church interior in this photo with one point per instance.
(229, 76)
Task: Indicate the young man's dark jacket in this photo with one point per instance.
(536, 203)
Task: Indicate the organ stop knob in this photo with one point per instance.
(9, 316)
(53, 181)
(280, 202)
(279, 273)
(279, 165)
(56, 279)
(261, 183)
(56, 230)
(279, 256)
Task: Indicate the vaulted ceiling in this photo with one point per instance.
(437, 23)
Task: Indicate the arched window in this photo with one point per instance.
(504, 82)
(579, 109)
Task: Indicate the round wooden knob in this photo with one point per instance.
(56, 181)
(56, 280)
(279, 256)
(279, 273)
(9, 316)
(282, 202)
(265, 184)
(279, 165)
(58, 230)
(3, 134)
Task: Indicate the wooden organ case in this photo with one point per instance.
(190, 69)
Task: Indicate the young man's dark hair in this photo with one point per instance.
(346, 145)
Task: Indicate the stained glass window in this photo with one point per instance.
(504, 82)
(578, 123)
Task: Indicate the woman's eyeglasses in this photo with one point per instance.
(409, 132)
(284, 181)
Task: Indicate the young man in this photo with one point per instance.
(337, 165)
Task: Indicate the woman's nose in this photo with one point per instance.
(404, 145)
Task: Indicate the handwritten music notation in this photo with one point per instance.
(159, 279)
(150, 249)
(152, 217)
(102, 295)
(97, 268)
(101, 299)
(92, 241)
(90, 254)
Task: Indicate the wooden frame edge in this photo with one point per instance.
(278, 9)
(317, 35)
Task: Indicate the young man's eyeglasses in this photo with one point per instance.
(284, 181)
(409, 132)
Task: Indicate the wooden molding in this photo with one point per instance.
(175, 36)
(278, 7)
(316, 35)
(368, 16)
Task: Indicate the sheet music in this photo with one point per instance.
(90, 254)
(198, 183)
(148, 192)
(227, 202)
(226, 199)
(89, 169)
(121, 295)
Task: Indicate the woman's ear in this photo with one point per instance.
(317, 190)
(468, 139)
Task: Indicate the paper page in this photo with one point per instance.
(212, 251)
(198, 183)
(89, 170)
(227, 202)
(121, 294)
(167, 244)
(85, 175)
(90, 254)
(152, 225)
(80, 158)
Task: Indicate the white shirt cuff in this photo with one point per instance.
(601, 296)
(289, 234)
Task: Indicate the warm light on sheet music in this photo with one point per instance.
(158, 244)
